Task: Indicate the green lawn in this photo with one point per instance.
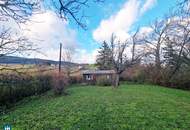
(132, 107)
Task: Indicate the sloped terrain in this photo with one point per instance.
(97, 108)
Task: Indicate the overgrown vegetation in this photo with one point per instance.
(103, 81)
(147, 74)
(130, 107)
(161, 55)
(59, 83)
(165, 61)
(15, 86)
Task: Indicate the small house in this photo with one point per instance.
(98, 76)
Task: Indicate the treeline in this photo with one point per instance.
(161, 51)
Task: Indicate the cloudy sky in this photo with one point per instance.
(119, 16)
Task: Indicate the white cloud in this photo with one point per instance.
(121, 22)
(144, 31)
(148, 5)
(86, 57)
(48, 31)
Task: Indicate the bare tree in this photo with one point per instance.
(18, 10)
(10, 44)
(183, 9)
(179, 37)
(135, 41)
(68, 53)
(73, 9)
(21, 10)
(155, 40)
(120, 60)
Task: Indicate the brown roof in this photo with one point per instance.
(98, 72)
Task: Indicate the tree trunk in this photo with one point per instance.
(116, 84)
(157, 57)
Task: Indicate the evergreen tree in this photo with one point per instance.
(175, 56)
(104, 57)
(170, 54)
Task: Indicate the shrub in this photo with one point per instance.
(134, 74)
(149, 74)
(14, 87)
(103, 81)
(76, 79)
(179, 80)
(59, 82)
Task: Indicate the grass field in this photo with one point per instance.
(132, 107)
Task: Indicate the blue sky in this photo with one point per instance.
(119, 16)
(112, 7)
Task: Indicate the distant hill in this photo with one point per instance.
(22, 60)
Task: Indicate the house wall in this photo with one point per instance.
(94, 78)
(89, 81)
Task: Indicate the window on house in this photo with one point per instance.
(88, 77)
(108, 76)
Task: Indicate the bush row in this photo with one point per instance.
(148, 74)
(14, 87)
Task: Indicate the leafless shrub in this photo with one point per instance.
(103, 81)
(59, 82)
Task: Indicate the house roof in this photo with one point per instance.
(98, 72)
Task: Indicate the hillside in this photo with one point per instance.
(22, 60)
(130, 107)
